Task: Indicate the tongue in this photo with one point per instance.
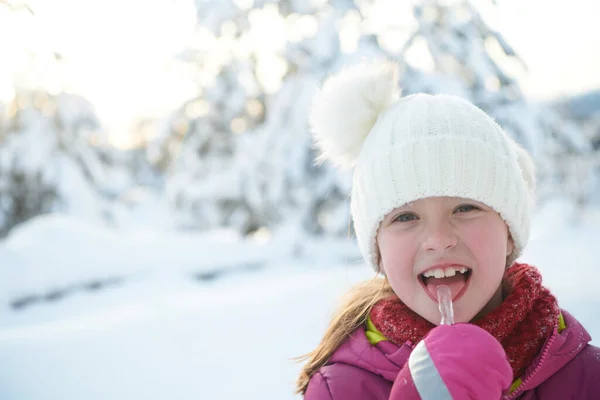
(455, 283)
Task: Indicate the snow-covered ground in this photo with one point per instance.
(87, 313)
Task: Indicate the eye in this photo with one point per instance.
(466, 208)
(406, 217)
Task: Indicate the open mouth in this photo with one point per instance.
(456, 278)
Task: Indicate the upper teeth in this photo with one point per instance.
(444, 272)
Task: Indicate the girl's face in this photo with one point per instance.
(449, 241)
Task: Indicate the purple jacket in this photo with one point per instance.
(567, 368)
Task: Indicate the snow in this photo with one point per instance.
(162, 332)
(54, 253)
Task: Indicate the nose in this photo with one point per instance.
(439, 236)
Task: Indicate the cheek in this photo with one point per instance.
(397, 252)
(487, 240)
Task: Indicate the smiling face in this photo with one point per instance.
(445, 240)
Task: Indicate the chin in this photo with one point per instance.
(464, 316)
(459, 317)
(435, 321)
(434, 317)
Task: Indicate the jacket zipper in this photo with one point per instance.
(519, 390)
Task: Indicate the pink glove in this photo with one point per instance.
(457, 362)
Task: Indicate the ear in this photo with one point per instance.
(510, 245)
(380, 268)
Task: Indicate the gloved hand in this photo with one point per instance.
(456, 362)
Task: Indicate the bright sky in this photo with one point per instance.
(559, 41)
(117, 51)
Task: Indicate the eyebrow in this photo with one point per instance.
(406, 205)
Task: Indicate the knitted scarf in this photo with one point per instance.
(522, 323)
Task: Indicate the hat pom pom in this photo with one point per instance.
(346, 108)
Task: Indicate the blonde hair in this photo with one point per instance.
(351, 314)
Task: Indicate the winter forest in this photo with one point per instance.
(198, 253)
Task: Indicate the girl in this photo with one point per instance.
(440, 196)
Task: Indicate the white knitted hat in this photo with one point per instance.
(405, 149)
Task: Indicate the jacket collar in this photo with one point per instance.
(384, 359)
(560, 348)
(387, 359)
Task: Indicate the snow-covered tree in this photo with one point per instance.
(54, 153)
(244, 154)
(198, 151)
(54, 157)
(298, 192)
(240, 154)
(582, 172)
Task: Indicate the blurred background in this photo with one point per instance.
(164, 230)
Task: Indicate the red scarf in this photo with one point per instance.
(522, 323)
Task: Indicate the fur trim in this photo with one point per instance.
(346, 108)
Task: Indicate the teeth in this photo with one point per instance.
(437, 273)
(444, 273)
